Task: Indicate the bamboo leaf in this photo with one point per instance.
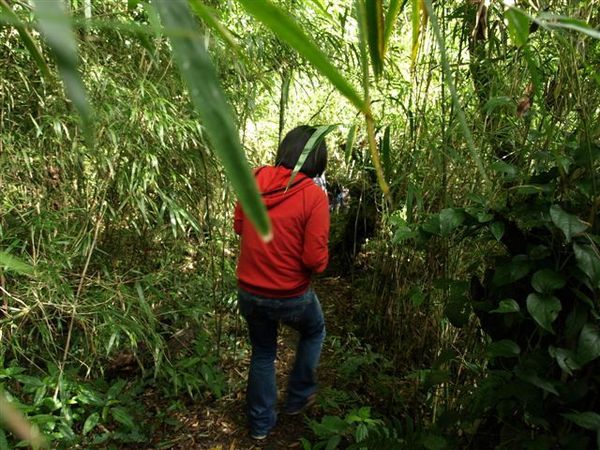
(311, 144)
(386, 157)
(27, 39)
(375, 28)
(419, 22)
(548, 20)
(56, 28)
(286, 29)
(350, 139)
(390, 20)
(518, 26)
(209, 101)
(210, 18)
(452, 88)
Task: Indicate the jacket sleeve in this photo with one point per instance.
(315, 254)
(238, 219)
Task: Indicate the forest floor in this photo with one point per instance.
(221, 424)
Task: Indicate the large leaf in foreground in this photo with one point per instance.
(286, 29)
(209, 101)
(375, 28)
(55, 26)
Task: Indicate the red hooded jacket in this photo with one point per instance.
(300, 219)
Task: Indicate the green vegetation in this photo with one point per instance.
(462, 297)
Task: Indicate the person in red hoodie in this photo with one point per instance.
(274, 278)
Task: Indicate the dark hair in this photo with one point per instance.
(291, 148)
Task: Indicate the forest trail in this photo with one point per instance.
(221, 425)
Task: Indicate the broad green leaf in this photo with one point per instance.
(120, 414)
(588, 347)
(314, 141)
(531, 377)
(547, 280)
(286, 29)
(14, 264)
(544, 309)
(91, 422)
(497, 229)
(512, 271)
(350, 139)
(506, 306)
(390, 20)
(375, 28)
(588, 261)
(518, 26)
(210, 103)
(450, 219)
(56, 28)
(569, 224)
(27, 39)
(333, 442)
(588, 420)
(504, 348)
(566, 359)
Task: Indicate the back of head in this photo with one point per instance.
(291, 148)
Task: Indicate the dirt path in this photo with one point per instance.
(221, 425)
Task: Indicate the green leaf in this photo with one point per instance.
(566, 359)
(450, 219)
(27, 39)
(386, 158)
(333, 442)
(210, 103)
(91, 422)
(56, 28)
(544, 309)
(390, 20)
(434, 442)
(588, 347)
(533, 378)
(3, 441)
(498, 102)
(121, 415)
(314, 141)
(512, 271)
(210, 18)
(518, 26)
(506, 306)
(14, 264)
(547, 280)
(588, 261)
(497, 229)
(375, 28)
(588, 420)
(549, 20)
(503, 348)
(568, 223)
(286, 29)
(350, 139)
(418, 9)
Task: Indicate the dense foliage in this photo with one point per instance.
(466, 133)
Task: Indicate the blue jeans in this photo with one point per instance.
(263, 316)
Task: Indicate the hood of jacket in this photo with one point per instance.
(273, 184)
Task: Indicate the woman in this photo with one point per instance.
(274, 278)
